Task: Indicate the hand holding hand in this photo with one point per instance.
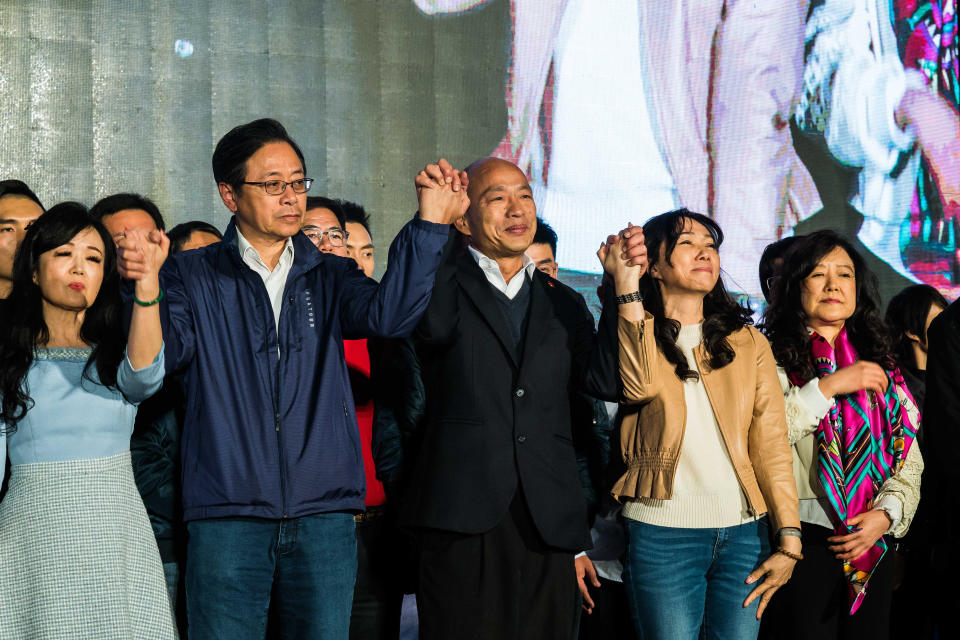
(614, 256)
(140, 255)
(870, 524)
(860, 375)
(586, 571)
(635, 248)
(442, 192)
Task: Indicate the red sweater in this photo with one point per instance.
(358, 364)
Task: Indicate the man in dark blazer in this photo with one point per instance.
(941, 432)
(494, 490)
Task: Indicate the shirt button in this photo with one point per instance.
(521, 439)
(519, 392)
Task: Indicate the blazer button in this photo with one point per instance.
(521, 439)
(519, 392)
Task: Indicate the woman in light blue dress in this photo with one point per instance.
(77, 556)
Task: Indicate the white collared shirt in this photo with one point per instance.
(275, 280)
(492, 271)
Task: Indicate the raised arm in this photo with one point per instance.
(140, 256)
(393, 308)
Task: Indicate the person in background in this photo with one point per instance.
(847, 408)
(708, 480)
(771, 261)
(325, 226)
(256, 323)
(942, 439)
(122, 212)
(77, 556)
(543, 249)
(192, 235)
(909, 316)
(19, 208)
(378, 594)
(359, 237)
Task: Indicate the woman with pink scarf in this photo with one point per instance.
(852, 423)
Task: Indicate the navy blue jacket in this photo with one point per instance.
(270, 429)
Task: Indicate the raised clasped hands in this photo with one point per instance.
(442, 192)
(140, 254)
(624, 258)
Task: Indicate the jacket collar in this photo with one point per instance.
(305, 255)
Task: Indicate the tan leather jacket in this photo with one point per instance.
(748, 404)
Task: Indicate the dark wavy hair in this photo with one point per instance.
(785, 323)
(24, 328)
(722, 314)
(907, 313)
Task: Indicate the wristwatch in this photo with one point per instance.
(629, 297)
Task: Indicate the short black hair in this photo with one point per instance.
(182, 232)
(545, 235)
(18, 188)
(353, 212)
(907, 312)
(768, 261)
(235, 148)
(315, 202)
(120, 201)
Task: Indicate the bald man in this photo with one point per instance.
(495, 491)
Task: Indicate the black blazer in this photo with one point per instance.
(496, 418)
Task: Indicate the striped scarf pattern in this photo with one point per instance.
(861, 442)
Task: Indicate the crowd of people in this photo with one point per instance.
(244, 435)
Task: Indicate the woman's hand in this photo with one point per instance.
(869, 525)
(860, 375)
(613, 257)
(775, 572)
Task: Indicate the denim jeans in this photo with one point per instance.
(679, 580)
(306, 565)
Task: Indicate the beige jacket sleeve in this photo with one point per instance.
(770, 452)
(639, 359)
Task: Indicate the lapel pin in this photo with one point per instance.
(550, 283)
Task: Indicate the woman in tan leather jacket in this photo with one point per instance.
(848, 408)
(704, 440)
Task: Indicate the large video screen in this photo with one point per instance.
(776, 117)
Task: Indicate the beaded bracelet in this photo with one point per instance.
(151, 302)
(790, 554)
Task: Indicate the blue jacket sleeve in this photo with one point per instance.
(392, 308)
(176, 318)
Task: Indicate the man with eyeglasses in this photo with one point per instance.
(325, 226)
(272, 471)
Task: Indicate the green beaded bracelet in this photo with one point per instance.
(151, 303)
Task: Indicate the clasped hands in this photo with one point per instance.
(624, 258)
(140, 254)
(442, 192)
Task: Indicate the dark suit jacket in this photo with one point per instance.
(941, 423)
(495, 417)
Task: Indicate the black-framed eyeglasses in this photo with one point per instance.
(336, 236)
(277, 187)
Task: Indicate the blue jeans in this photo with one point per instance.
(681, 580)
(306, 565)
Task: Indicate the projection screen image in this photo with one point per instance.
(776, 117)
